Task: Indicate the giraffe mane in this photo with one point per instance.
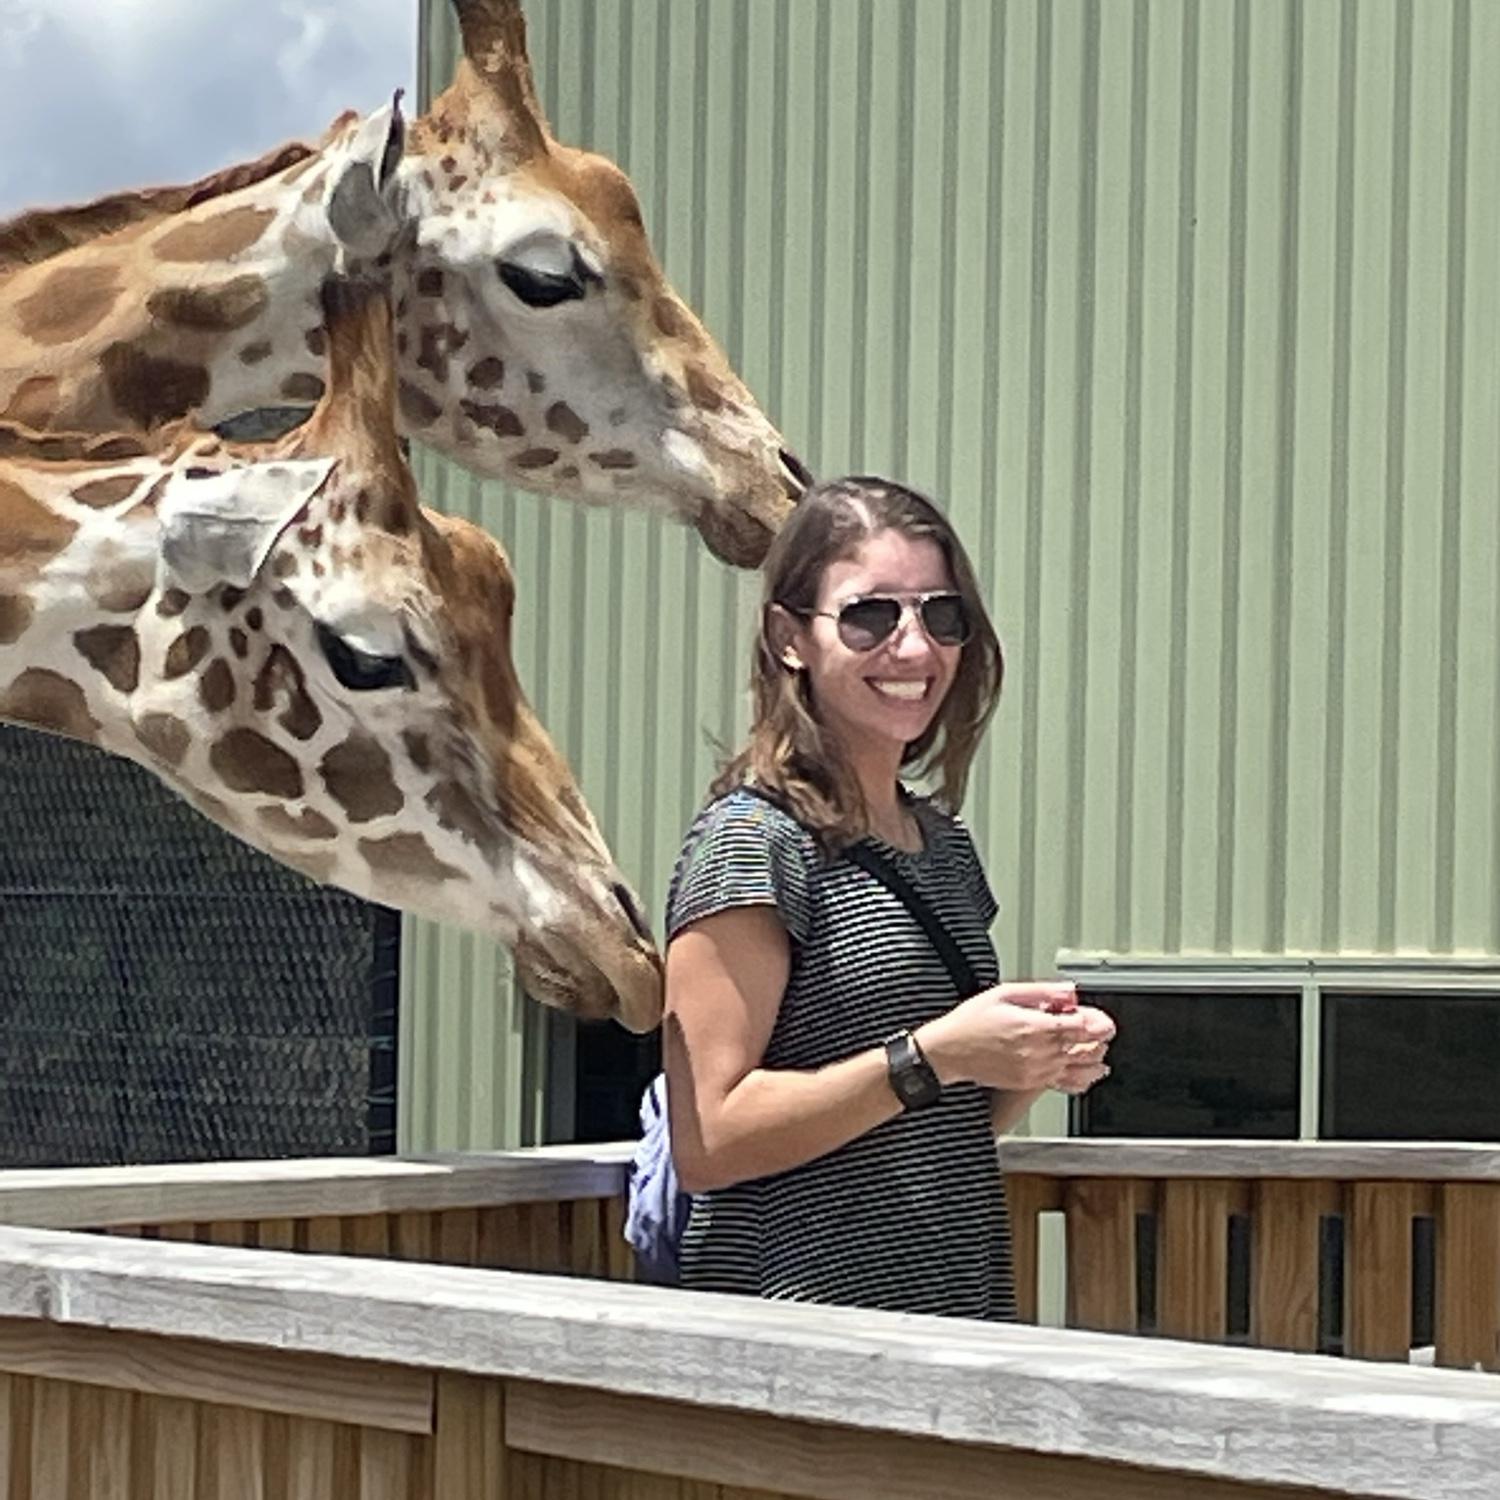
(39, 234)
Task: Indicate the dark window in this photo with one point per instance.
(1411, 1067)
(611, 1070)
(1187, 1064)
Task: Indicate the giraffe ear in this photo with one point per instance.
(219, 528)
(361, 188)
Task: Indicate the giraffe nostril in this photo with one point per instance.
(627, 900)
(794, 473)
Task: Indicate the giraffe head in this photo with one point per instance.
(541, 342)
(323, 667)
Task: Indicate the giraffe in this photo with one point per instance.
(537, 338)
(282, 634)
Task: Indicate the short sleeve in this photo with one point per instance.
(741, 851)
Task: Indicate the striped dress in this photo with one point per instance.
(911, 1216)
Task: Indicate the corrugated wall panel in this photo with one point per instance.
(1188, 311)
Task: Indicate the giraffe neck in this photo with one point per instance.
(213, 310)
(78, 566)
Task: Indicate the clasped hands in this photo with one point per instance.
(1023, 1036)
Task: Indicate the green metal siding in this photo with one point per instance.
(1189, 312)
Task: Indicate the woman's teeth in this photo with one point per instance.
(907, 692)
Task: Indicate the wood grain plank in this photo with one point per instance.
(174, 1442)
(469, 1439)
(368, 1235)
(502, 1245)
(366, 1393)
(111, 1461)
(1192, 1299)
(751, 1452)
(1286, 1243)
(547, 1253)
(586, 1237)
(385, 1466)
(1101, 1215)
(239, 1439)
(50, 1446)
(1468, 1275)
(310, 1460)
(1027, 1197)
(619, 1257)
(276, 1234)
(322, 1236)
(1377, 1262)
(458, 1237)
(411, 1236)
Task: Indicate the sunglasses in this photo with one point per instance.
(872, 618)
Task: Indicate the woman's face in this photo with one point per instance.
(891, 693)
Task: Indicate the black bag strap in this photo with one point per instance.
(878, 867)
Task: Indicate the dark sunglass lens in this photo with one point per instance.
(865, 623)
(946, 619)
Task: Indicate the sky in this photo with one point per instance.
(99, 95)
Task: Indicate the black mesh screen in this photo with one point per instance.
(168, 993)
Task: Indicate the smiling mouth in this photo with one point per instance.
(902, 690)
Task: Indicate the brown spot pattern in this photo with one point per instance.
(68, 303)
(98, 493)
(670, 318)
(416, 405)
(282, 680)
(15, 616)
(430, 282)
(254, 619)
(704, 391)
(150, 390)
(566, 423)
(47, 701)
(307, 824)
(500, 420)
(172, 603)
(113, 651)
(214, 309)
(408, 855)
(358, 776)
(316, 340)
(30, 533)
(252, 354)
(164, 736)
(186, 652)
(216, 237)
(246, 761)
(614, 458)
(238, 642)
(487, 374)
(216, 687)
(33, 402)
(535, 458)
(458, 812)
(116, 447)
(536, 382)
(439, 342)
(417, 749)
(302, 387)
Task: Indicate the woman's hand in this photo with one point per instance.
(1020, 1037)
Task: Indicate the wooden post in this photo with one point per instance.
(1101, 1213)
(1027, 1197)
(1377, 1266)
(1468, 1275)
(1192, 1278)
(469, 1439)
(1285, 1253)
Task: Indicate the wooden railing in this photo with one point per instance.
(170, 1371)
(1368, 1250)
(1364, 1250)
(553, 1209)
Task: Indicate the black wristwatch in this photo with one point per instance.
(912, 1080)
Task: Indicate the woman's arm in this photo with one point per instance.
(732, 1119)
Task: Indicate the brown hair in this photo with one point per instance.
(789, 753)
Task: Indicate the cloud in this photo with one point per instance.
(98, 95)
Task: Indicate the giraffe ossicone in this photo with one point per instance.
(284, 635)
(537, 339)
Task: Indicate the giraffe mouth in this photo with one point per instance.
(582, 989)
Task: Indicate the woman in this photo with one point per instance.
(804, 1004)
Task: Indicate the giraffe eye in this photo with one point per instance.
(360, 671)
(538, 288)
